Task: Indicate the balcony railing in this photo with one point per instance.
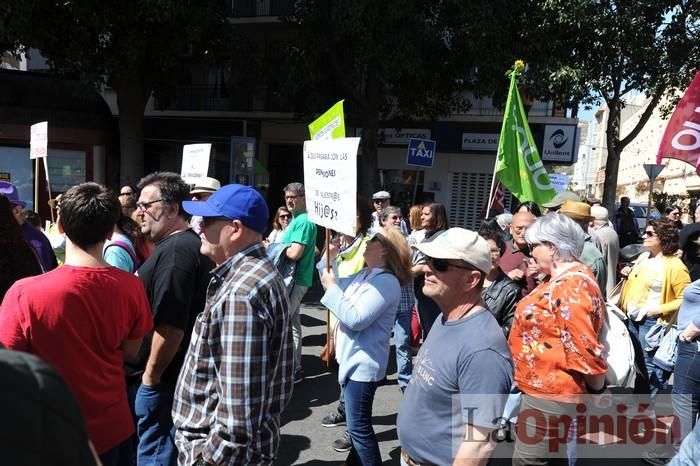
(214, 99)
(258, 8)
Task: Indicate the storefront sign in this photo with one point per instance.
(195, 162)
(398, 136)
(559, 143)
(486, 142)
(330, 179)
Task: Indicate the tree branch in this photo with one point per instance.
(642, 121)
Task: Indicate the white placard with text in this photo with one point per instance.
(195, 162)
(39, 140)
(330, 180)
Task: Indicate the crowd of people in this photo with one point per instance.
(172, 312)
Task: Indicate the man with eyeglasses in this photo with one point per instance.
(457, 392)
(175, 276)
(516, 261)
(202, 190)
(300, 235)
(380, 201)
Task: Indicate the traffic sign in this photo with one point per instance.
(653, 170)
(421, 153)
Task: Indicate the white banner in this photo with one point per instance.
(39, 141)
(330, 180)
(195, 162)
(559, 182)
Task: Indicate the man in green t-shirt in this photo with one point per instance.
(301, 236)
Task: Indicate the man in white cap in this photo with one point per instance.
(609, 244)
(204, 188)
(559, 200)
(466, 382)
(380, 201)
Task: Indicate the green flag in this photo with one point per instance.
(518, 164)
(330, 125)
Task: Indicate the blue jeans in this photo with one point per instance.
(686, 381)
(657, 378)
(359, 397)
(155, 426)
(402, 340)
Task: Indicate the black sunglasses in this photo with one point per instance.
(441, 265)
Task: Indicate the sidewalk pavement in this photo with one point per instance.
(305, 442)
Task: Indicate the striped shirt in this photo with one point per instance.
(237, 376)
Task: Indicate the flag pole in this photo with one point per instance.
(328, 312)
(492, 192)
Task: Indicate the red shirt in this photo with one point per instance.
(76, 318)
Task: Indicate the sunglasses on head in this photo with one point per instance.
(441, 265)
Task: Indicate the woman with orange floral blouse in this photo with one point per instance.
(554, 338)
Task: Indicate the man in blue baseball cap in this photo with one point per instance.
(238, 371)
(33, 236)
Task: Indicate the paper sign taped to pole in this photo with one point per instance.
(330, 179)
(195, 162)
(39, 140)
(330, 125)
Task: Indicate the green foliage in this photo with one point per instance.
(111, 40)
(662, 200)
(594, 52)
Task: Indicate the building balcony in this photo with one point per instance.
(215, 99)
(259, 8)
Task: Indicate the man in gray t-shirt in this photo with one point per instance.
(464, 371)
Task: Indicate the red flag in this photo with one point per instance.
(682, 136)
(499, 200)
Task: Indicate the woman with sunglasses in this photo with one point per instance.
(653, 293)
(279, 223)
(365, 304)
(433, 222)
(554, 337)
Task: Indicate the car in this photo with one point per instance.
(640, 213)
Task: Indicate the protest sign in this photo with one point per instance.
(195, 162)
(330, 179)
(39, 140)
(330, 125)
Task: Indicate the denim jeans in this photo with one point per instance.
(686, 381)
(295, 297)
(359, 397)
(155, 426)
(402, 341)
(657, 378)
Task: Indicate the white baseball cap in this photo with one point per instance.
(460, 244)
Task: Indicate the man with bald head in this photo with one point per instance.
(516, 261)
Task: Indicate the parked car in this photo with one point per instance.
(640, 213)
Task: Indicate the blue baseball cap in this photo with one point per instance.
(234, 201)
(10, 192)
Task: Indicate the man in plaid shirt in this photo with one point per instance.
(237, 376)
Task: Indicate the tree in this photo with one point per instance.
(133, 46)
(607, 51)
(395, 60)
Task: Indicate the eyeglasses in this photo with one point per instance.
(675, 213)
(649, 233)
(287, 198)
(125, 194)
(441, 265)
(146, 205)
